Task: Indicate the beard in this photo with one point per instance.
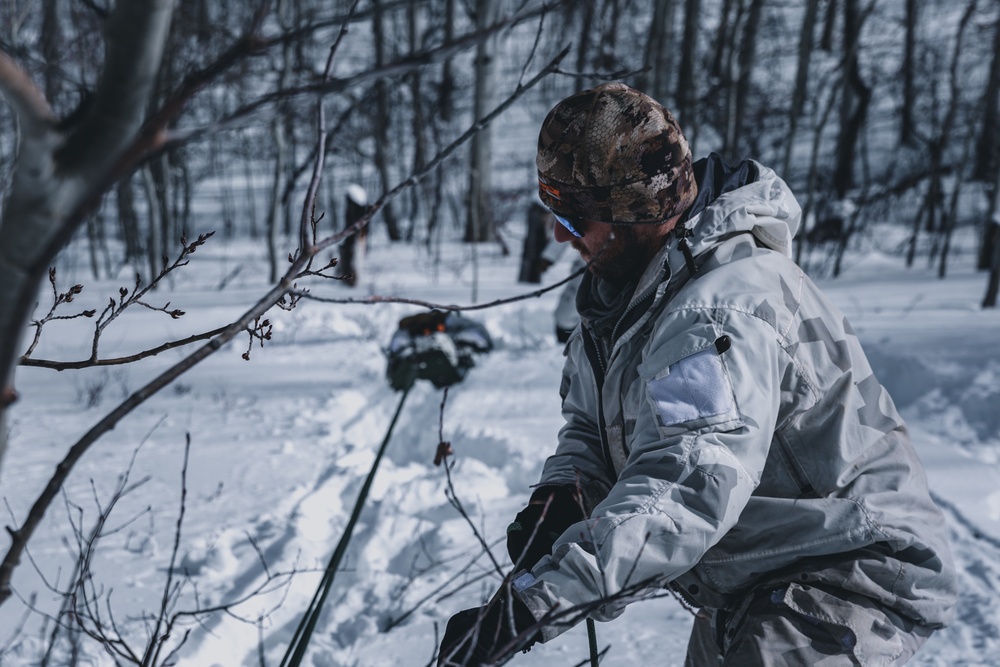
(621, 259)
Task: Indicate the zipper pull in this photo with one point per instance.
(683, 232)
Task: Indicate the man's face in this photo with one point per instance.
(616, 253)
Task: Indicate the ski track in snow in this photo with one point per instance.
(384, 577)
(976, 629)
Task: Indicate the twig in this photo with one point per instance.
(19, 628)
(600, 656)
(402, 617)
(57, 300)
(111, 313)
(153, 648)
(372, 300)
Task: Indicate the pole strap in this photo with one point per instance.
(300, 640)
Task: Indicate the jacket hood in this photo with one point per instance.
(746, 198)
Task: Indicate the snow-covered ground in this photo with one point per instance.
(280, 446)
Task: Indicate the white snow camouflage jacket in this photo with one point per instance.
(745, 439)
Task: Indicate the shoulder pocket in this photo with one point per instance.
(695, 390)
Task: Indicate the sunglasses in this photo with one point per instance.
(568, 223)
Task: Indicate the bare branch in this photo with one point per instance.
(375, 299)
(112, 311)
(19, 628)
(167, 586)
(136, 34)
(25, 98)
(119, 361)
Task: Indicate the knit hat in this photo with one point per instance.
(614, 154)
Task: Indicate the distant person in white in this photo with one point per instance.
(353, 248)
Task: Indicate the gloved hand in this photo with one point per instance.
(475, 635)
(526, 544)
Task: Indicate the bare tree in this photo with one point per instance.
(659, 56)
(993, 234)
(687, 92)
(382, 118)
(801, 78)
(62, 171)
(855, 98)
(747, 62)
(479, 212)
(906, 124)
(988, 151)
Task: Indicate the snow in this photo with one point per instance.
(280, 446)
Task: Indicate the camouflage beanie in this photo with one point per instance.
(614, 154)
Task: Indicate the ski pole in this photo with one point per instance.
(300, 640)
(592, 636)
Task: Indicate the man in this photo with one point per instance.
(725, 436)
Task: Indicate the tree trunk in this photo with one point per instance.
(987, 161)
(92, 242)
(279, 135)
(52, 45)
(747, 59)
(724, 40)
(382, 121)
(686, 92)
(479, 209)
(854, 102)
(993, 283)
(274, 205)
(906, 122)
(813, 176)
(727, 80)
(188, 196)
(801, 79)
(250, 198)
(129, 221)
(536, 237)
(659, 51)
(154, 251)
(583, 49)
(418, 193)
(829, 26)
(446, 90)
(993, 225)
(159, 169)
(608, 49)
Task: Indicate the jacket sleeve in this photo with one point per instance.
(703, 431)
(579, 457)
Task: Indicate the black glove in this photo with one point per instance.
(477, 634)
(526, 544)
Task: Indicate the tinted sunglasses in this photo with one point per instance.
(569, 222)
